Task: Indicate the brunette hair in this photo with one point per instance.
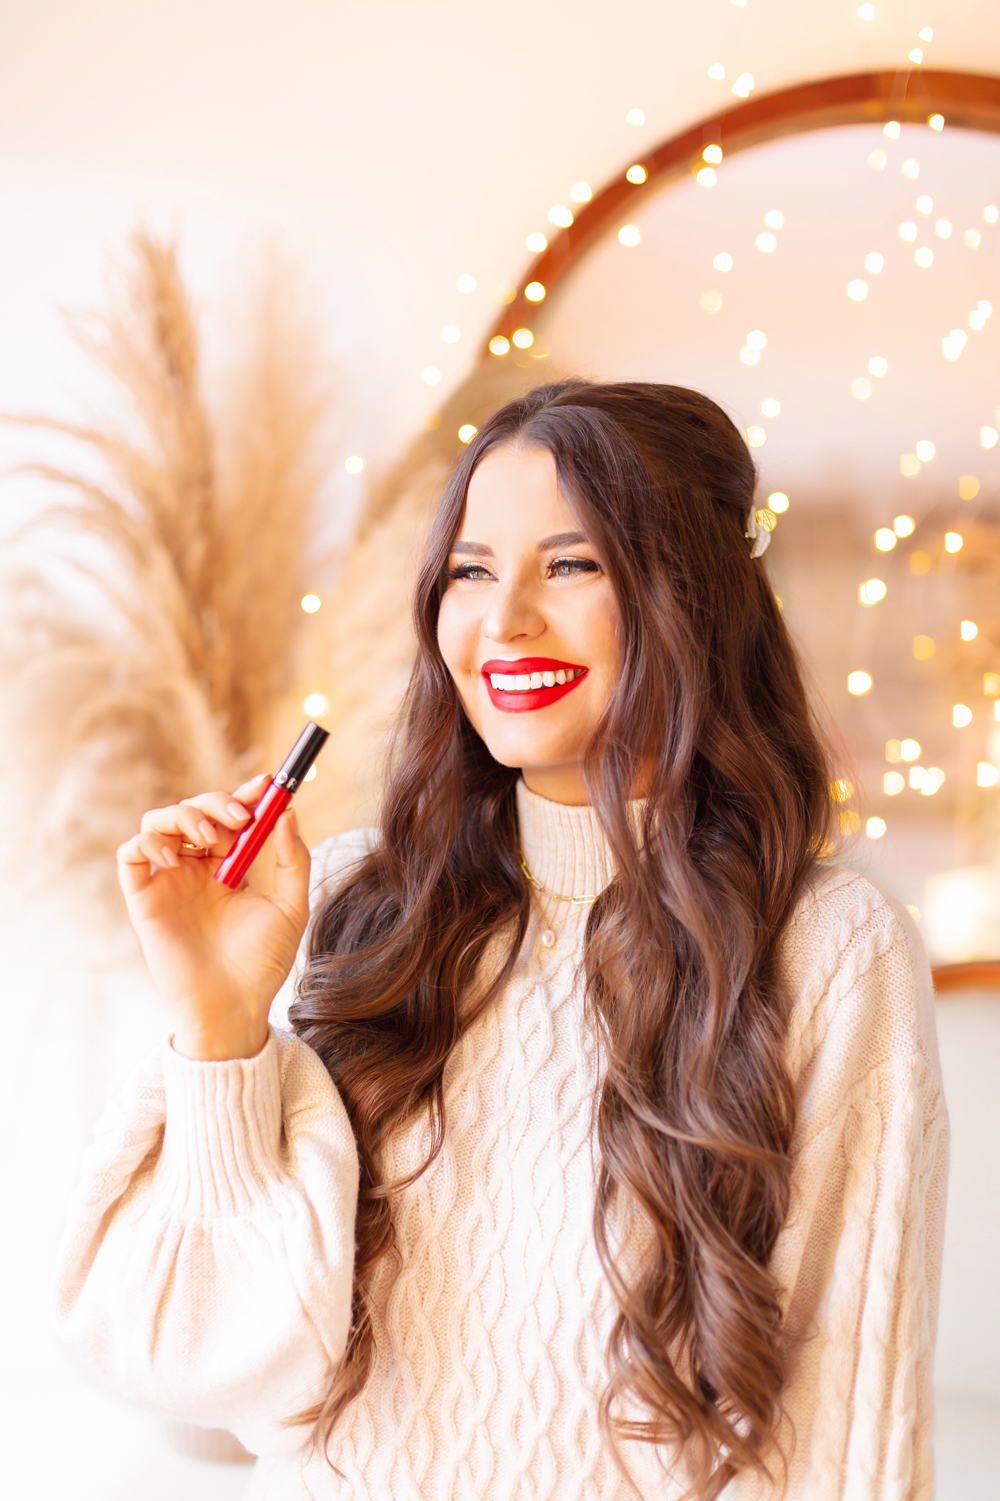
(696, 1110)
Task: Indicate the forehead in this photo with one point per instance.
(515, 492)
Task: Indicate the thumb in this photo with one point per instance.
(291, 872)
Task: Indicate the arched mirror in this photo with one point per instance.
(825, 264)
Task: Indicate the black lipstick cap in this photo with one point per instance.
(301, 756)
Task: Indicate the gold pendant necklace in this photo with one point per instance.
(548, 937)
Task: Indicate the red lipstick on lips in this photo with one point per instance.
(517, 701)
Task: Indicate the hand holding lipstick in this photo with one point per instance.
(217, 956)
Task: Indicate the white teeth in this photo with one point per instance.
(524, 682)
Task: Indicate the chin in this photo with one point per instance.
(528, 750)
(525, 739)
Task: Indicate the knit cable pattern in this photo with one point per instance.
(491, 1337)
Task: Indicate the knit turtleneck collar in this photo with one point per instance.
(564, 846)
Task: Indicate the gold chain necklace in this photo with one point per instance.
(578, 901)
(548, 937)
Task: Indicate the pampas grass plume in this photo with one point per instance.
(191, 535)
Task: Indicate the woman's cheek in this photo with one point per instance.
(457, 636)
(445, 633)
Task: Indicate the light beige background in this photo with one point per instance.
(391, 146)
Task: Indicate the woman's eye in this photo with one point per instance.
(473, 571)
(566, 567)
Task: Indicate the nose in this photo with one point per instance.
(513, 612)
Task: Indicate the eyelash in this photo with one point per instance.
(576, 565)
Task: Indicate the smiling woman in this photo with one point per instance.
(606, 1153)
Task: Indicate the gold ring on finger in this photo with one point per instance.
(193, 849)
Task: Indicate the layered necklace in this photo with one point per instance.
(548, 936)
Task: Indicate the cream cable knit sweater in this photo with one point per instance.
(206, 1270)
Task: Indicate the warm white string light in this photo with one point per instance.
(872, 591)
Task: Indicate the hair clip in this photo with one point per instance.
(760, 525)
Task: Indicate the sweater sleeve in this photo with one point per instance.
(861, 1254)
(207, 1266)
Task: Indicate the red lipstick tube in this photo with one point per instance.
(284, 783)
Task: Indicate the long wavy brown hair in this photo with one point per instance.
(696, 1111)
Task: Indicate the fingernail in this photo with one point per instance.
(206, 830)
(293, 822)
(168, 856)
(237, 810)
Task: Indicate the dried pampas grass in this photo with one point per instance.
(159, 677)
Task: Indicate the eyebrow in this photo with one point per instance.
(559, 539)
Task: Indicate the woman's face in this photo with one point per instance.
(528, 622)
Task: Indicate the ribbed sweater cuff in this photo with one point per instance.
(223, 1131)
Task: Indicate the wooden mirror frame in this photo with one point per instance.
(970, 101)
